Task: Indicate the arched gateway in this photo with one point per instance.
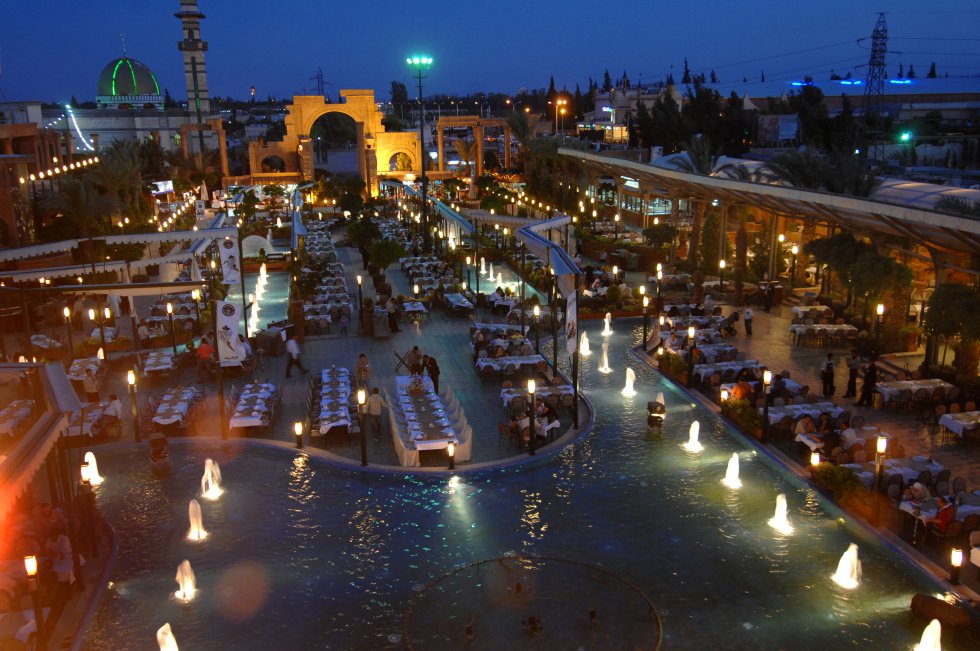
(375, 146)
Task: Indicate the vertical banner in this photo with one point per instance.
(571, 322)
(230, 264)
(199, 207)
(230, 349)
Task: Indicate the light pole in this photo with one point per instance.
(360, 301)
(721, 275)
(173, 333)
(773, 271)
(692, 349)
(660, 282)
(196, 297)
(468, 262)
(616, 219)
(103, 318)
(792, 276)
(646, 305)
(420, 64)
(537, 330)
(879, 313)
(30, 566)
(766, 381)
(530, 416)
(361, 401)
(131, 381)
(558, 110)
(451, 450)
(298, 430)
(71, 344)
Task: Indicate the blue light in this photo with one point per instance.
(851, 82)
(900, 81)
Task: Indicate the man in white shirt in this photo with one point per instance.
(114, 410)
(111, 418)
(747, 318)
(292, 353)
(375, 403)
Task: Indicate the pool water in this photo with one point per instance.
(301, 555)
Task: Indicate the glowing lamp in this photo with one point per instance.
(30, 566)
(814, 458)
(531, 386)
(767, 377)
(170, 308)
(882, 444)
(537, 311)
(361, 397)
(690, 332)
(724, 395)
(880, 310)
(131, 378)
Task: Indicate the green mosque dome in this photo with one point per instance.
(125, 78)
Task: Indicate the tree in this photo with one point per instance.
(660, 234)
(399, 95)
(384, 253)
(700, 159)
(686, 79)
(363, 232)
(466, 150)
(520, 129)
(932, 71)
(954, 313)
(606, 82)
(81, 213)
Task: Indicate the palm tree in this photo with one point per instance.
(466, 150)
(120, 177)
(700, 159)
(520, 128)
(80, 213)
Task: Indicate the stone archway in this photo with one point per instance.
(375, 147)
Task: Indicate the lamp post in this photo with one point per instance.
(100, 319)
(721, 275)
(660, 282)
(792, 275)
(361, 401)
(298, 430)
(879, 313)
(71, 344)
(646, 305)
(692, 349)
(616, 220)
(766, 382)
(360, 301)
(420, 64)
(530, 416)
(451, 450)
(196, 297)
(955, 562)
(469, 261)
(880, 446)
(30, 566)
(537, 330)
(131, 382)
(173, 333)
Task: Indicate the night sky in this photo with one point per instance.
(51, 50)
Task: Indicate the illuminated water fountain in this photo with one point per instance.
(607, 330)
(165, 639)
(211, 480)
(731, 475)
(604, 365)
(780, 521)
(490, 274)
(930, 637)
(94, 478)
(848, 574)
(500, 279)
(583, 346)
(196, 532)
(483, 265)
(628, 390)
(186, 581)
(693, 445)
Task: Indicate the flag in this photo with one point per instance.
(231, 352)
(571, 322)
(230, 264)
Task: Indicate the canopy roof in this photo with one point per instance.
(898, 208)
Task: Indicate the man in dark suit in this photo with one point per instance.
(868, 388)
(432, 367)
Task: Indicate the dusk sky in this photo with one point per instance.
(51, 50)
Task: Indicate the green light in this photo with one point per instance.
(420, 62)
(114, 70)
(132, 73)
(906, 136)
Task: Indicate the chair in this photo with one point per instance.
(954, 408)
(857, 422)
(943, 538)
(959, 485)
(925, 478)
(941, 488)
(894, 494)
(971, 523)
(970, 405)
(942, 476)
(860, 456)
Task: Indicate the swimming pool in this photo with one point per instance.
(304, 555)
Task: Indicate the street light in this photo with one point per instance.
(421, 63)
(660, 282)
(451, 451)
(298, 430)
(766, 381)
(173, 333)
(879, 312)
(530, 415)
(469, 261)
(537, 330)
(131, 382)
(71, 344)
(792, 276)
(721, 275)
(360, 301)
(880, 446)
(100, 321)
(955, 562)
(361, 401)
(30, 566)
(646, 304)
(196, 297)
(616, 219)
(690, 354)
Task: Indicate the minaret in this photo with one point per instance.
(193, 49)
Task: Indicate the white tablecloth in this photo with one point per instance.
(814, 410)
(890, 390)
(800, 311)
(704, 371)
(500, 362)
(959, 422)
(830, 328)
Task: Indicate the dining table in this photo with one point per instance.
(507, 395)
(796, 412)
(705, 371)
(959, 423)
(175, 405)
(80, 367)
(254, 406)
(499, 363)
(801, 311)
(427, 422)
(908, 468)
(334, 400)
(890, 390)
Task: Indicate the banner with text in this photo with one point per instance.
(230, 264)
(571, 322)
(231, 352)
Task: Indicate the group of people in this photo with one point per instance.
(521, 426)
(419, 364)
(854, 365)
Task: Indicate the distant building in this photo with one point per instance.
(609, 121)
